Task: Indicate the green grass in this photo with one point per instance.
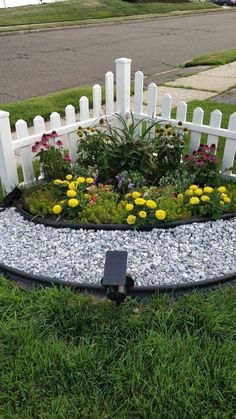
(216, 58)
(78, 11)
(64, 355)
(44, 105)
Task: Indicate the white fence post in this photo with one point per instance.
(25, 152)
(72, 137)
(123, 74)
(230, 147)
(8, 167)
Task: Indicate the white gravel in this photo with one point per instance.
(186, 253)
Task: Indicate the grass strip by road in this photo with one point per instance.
(44, 105)
(79, 11)
(64, 354)
(216, 58)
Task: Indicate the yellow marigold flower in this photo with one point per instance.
(89, 180)
(198, 192)
(226, 200)
(73, 202)
(136, 194)
(221, 189)
(87, 196)
(189, 192)
(180, 196)
(131, 219)
(72, 186)
(69, 177)
(128, 195)
(71, 194)
(80, 179)
(57, 209)
(142, 214)
(222, 203)
(223, 195)
(129, 207)
(193, 187)
(140, 201)
(57, 182)
(194, 200)
(160, 215)
(151, 204)
(208, 189)
(205, 198)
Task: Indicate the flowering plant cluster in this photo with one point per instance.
(168, 147)
(203, 164)
(51, 156)
(142, 210)
(206, 201)
(151, 151)
(73, 195)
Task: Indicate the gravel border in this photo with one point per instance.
(183, 255)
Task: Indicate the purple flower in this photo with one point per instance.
(130, 186)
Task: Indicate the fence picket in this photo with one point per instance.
(138, 92)
(109, 83)
(84, 108)
(97, 100)
(39, 125)
(230, 147)
(72, 136)
(215, 122)
(195, 138)
(25, 152)
(166, 107)
(181, 111)
(55, 121)
(8, 167)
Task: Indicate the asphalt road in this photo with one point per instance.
(42, 62)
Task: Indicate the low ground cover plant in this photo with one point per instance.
(135, 174)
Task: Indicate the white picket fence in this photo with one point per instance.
(22, 145)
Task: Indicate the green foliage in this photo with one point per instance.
(63, 353)
(39, 200)
(131, 148)
(105, 209)
(179, 179)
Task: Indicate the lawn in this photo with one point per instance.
(65, 355)
(216, 58)
(78, 11)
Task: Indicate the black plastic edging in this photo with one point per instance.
(122, 227)
(137, 291)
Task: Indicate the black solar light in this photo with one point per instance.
(116, 281)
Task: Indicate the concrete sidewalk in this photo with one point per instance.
(206, 84)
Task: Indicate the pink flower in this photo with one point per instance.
(59, 143)
(200, 163)
(67, 158)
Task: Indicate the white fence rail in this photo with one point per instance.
(23, 143)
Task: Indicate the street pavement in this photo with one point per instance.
(38, 63)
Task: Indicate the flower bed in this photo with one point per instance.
(135, 176)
